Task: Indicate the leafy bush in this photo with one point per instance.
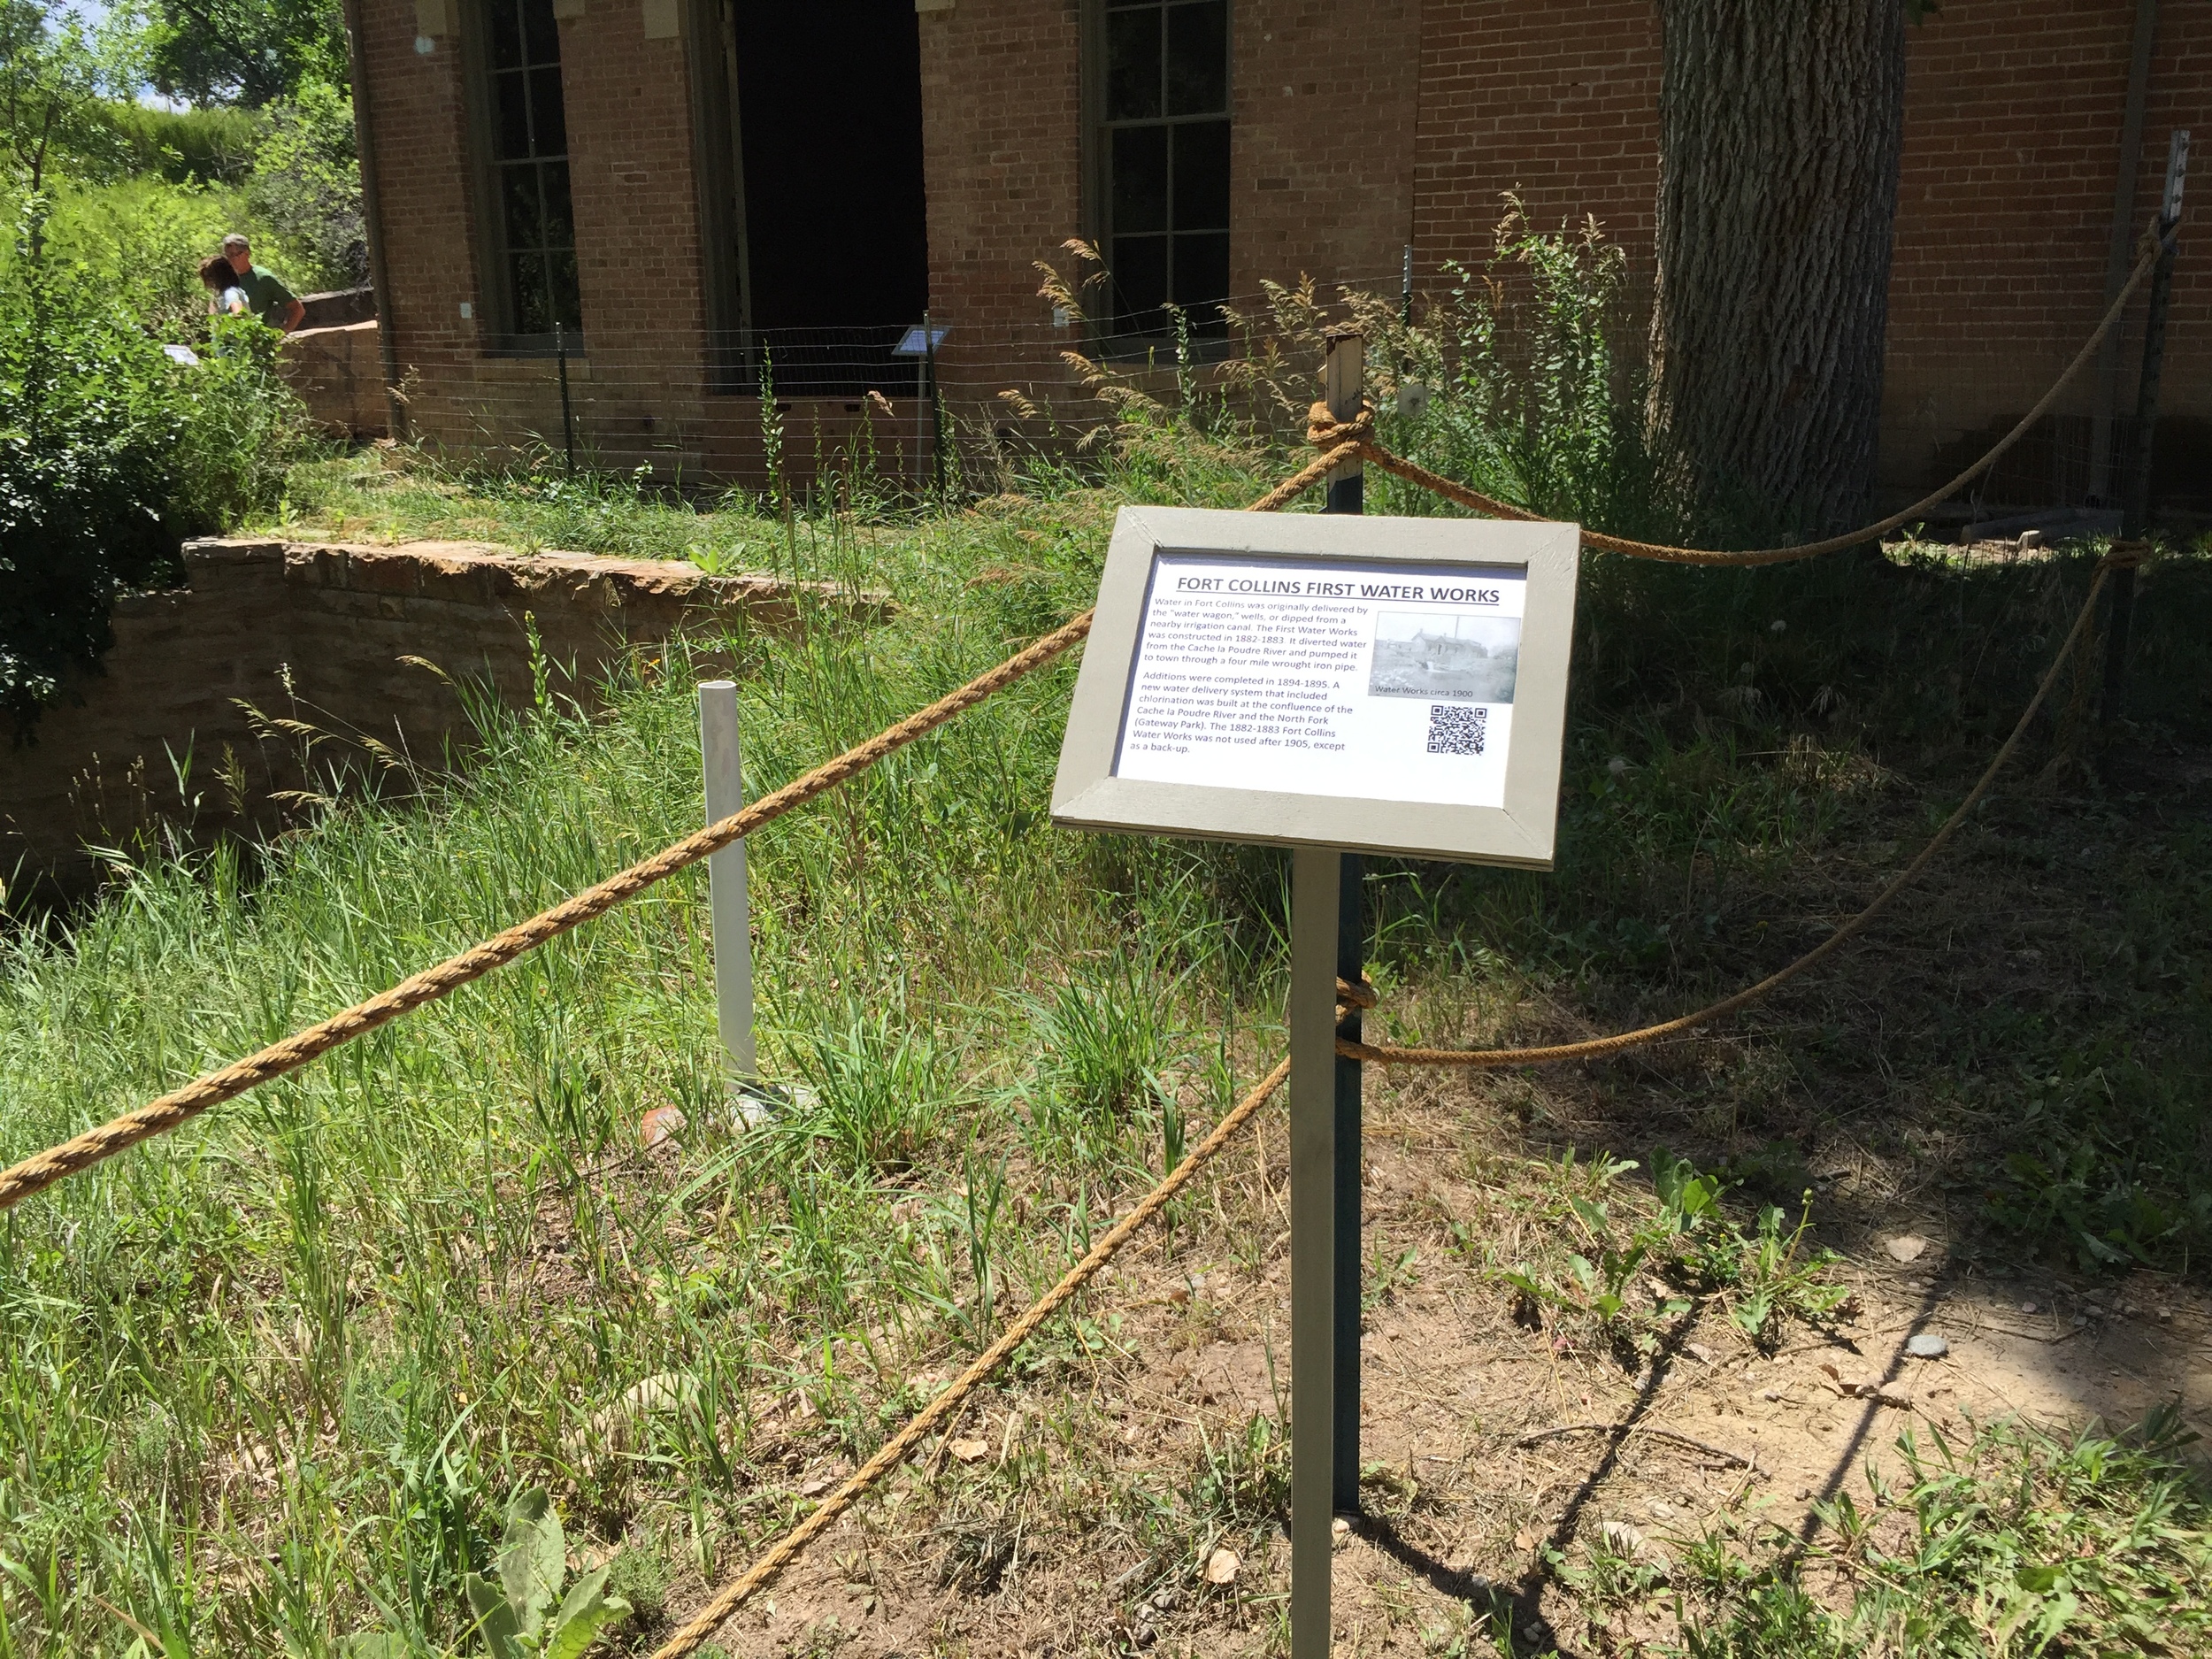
(214, 145)
(111, 453)
(134, 245)
(517, 1615)
(2013, 1541)
(306, 185)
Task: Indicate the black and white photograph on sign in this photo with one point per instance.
(1444, 654)
(1303, 676)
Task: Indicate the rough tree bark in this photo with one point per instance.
(1779, 124)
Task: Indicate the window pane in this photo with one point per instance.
(1140, 282)
(510, 116)
(519, 208)
(550, 128)
(1140, 201)
(1198, 57)
(506, 34)
(1201, 175)
(1201, 272)
(541, 32)
(532, 314)
(560, 223)
(1133, 65)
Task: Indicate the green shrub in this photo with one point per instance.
(111, 453)
(306, 186)
(214, 145)
(134, 245)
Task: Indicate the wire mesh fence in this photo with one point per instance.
(969, 406)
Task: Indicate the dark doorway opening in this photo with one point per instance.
(835, 262)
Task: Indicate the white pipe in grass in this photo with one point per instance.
(726, 878)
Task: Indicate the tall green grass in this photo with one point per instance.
(266, 1383)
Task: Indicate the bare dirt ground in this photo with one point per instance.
(1067, 1512)
(1488, 1442)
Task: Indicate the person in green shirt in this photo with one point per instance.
(266, 295)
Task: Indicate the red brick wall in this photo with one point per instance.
(1002, 95)
(1322, 160)
(1321, 167)
(1001, 91)
(637, 233)
(1409, 115)
(637, 395)
(318, 633)
(2012, 141)
(421, 158)
(2011, 150)
(1557, 104)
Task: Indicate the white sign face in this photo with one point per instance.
(1366, 680)
(1387, 684)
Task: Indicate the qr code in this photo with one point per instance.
(1457, 728)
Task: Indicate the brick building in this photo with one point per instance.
(654, 198)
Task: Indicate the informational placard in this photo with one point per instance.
(1385, 684)
(1389, 682)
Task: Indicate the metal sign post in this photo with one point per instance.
(1343, 381)
(1337, 685)
(920, 343)
(1314, 1160)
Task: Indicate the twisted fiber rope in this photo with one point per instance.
(159, 1116)
(1308, 476)
(1595, 1045)
(1343, 441)
(894, 1451)
(1323, 431)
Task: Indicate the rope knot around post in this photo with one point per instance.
(2125, 555)
(1325, 431)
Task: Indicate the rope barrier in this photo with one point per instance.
(1592, 1047)
(1323, 431)
(1340, 442)
(894, 1451)
(897, 1448)
(159, 1116)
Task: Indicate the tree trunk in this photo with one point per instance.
(1778, 135)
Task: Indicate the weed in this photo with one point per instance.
(1242, 1481)
(1686, 1240)
(2015, 1541)
(883, 1086)
(518, 1615)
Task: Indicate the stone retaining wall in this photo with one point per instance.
(339, 373)
(322, 634)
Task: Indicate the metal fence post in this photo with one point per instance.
(1312, 1016)
(568, 419)
(726, 878)
(1343, 380)
(936, 412)
(2135, 521)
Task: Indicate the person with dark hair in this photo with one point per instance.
(265, 293)
(225, 298)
